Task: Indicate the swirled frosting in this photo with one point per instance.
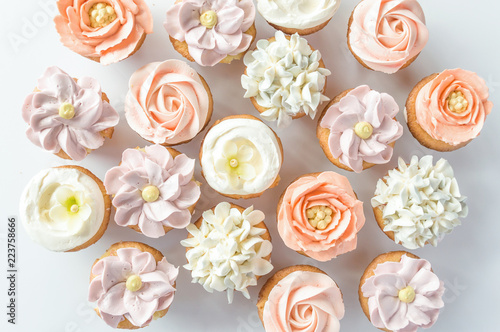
(226, 252)
(284, 77)
(302, 14)
(62, 208)
(212, 29)
(327, 189)
(385, 34)
(167, 102)
(152, 189)
(439, 118)
(389, 309)
(75, 132)
(304, 301)
(113, 40)
(119, 299)
(420, 202)
(240, 156)
(370, 108)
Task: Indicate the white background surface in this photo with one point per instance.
(52, 287)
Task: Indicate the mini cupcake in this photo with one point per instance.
(446, 111)
(132, 284)
(241, 157)
(319, 216)
(168, 102)
(285, 78)
(419, 203)
(106, 31)
(300, 298)
(303, 17)
(65, 208)
(68, 117)
(228, 249)
(153, 190)
(387, 35)
(211, 31)
(399, 292)
(358, 129)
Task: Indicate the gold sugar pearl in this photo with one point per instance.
(319, 216)
(407, 294)
(457, 102)
(101, 14)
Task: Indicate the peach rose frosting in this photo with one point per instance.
(340, 236)
(434, 115)
(111, 43)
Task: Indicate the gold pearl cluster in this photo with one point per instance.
(319, 216)
(101, 14)
(457, 102)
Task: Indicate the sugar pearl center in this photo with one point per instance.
(457, 102)
(134, 283)
(150, 193)
(319, 216)
(407, 294)
(208, 19)
(363, 129)
(74, 208)
(66, 111)
(101, 14)
(233, 163)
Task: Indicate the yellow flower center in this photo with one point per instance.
(134, 283)
(208, 19)
(74, 208)
(233, 163)
(319, 216)
(150, 193)
(457, 102)
(363, 129)
(101, 14)
(66, 111)
(407, 294)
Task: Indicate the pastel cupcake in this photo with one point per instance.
(319, 216)
(153, 190)
(399, 292)
(241, 157)
(418, 203)
(387, 35)
(132, 285)
(211, 31)
(300, 298)
(285, 78)
(168, 102)
(65, 208)
(447, 110)
(358, 129)
(228, 249)
(303, 17)
(68, 117)
(104, 31)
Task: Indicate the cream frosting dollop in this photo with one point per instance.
(152, 189)
(301, 14)
(118, 298)
(240, 156)
(383, 290)
(110, 42)
(226, 252)
(386, 34)
(420, 202)
(62, 208)
(360, 106)
(167, 102)
(453, 126)
(285, 77)
(304, 301)
(66, 115)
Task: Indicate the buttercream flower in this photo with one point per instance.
(320, 216)
(68, 117)
(235, 164)
(131, 285)
(168, 102)
(386, 35)
(71, 209)
(153, 190)
(106, 31)
(212, 29)
(362, 128)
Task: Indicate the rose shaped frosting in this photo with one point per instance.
(385, 34)
(167, 102)
(120, 26)
(152, 189)
(304, 301)
(448, 118)
(361, 127)
(212, 29)
(403, 296)
(120, 297)
(341, 222)
(65, 115)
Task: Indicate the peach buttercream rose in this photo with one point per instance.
(320, 216)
